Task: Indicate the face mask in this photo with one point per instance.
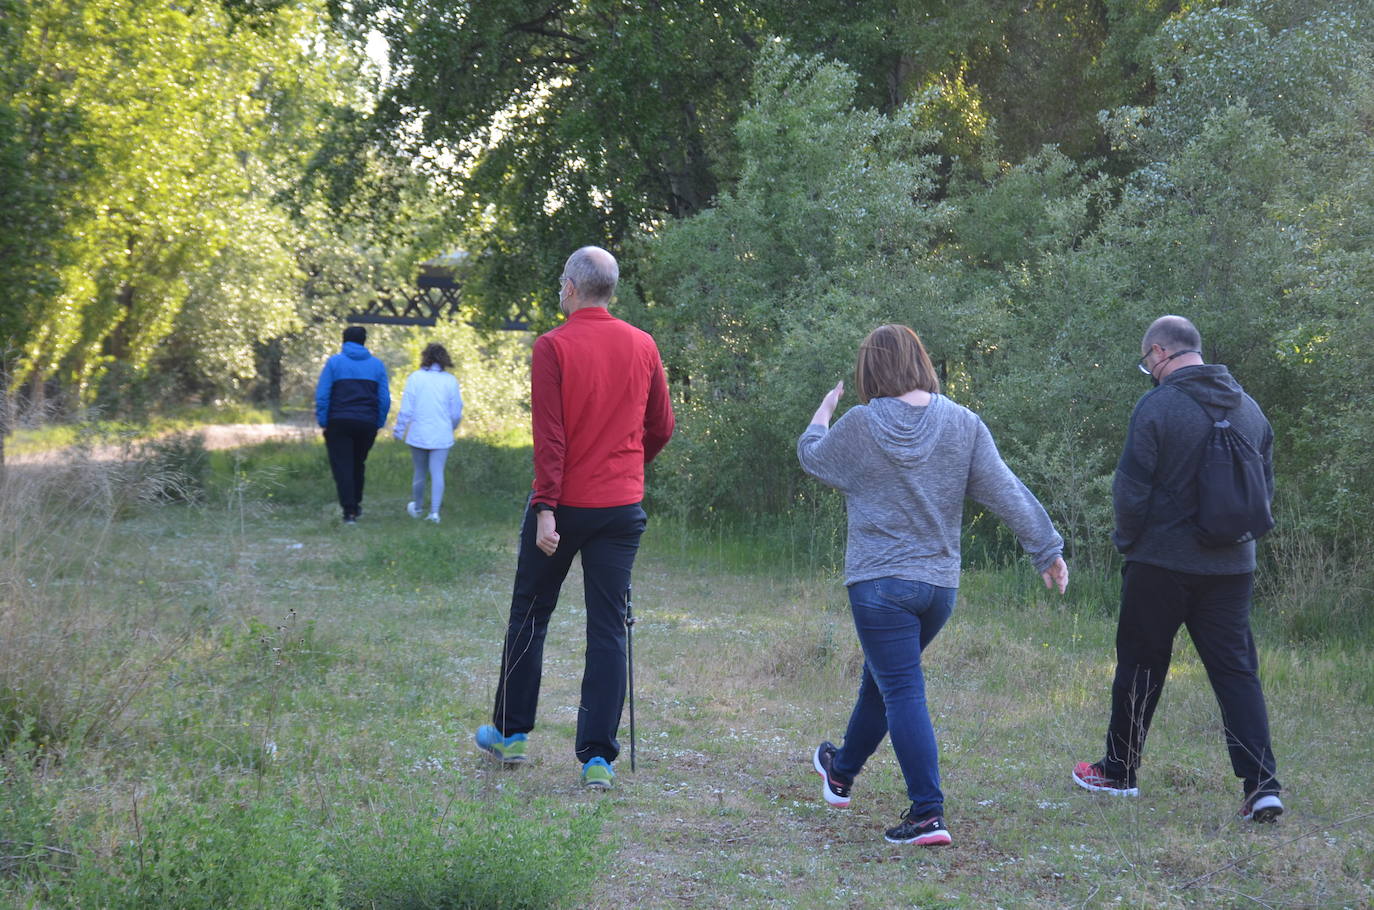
(1155, 382)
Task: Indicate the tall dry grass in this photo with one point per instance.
(72, 656)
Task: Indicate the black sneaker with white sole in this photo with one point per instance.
(1261, 808)
(834, 788)
(929, 831)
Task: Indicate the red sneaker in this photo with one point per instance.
(1091, 776)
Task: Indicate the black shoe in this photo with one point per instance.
(926, 832)
(1261, 807)
(834, 788)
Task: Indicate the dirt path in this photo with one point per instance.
(217, 436)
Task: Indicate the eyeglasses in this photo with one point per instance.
(1140, 364)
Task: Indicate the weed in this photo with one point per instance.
(396, 853)
(224, 854)
(73, 658)
(181, 462)
(1315, 594)
(29, 838)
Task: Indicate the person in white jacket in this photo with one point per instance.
(431, 409)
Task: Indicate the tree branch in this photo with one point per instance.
(1270, 849)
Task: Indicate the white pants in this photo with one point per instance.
(429, 463)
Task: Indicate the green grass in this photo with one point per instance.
(238, 702)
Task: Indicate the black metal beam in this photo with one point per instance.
(434, 296)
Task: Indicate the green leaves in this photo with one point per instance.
(566, 123)
(153, 139)
(1032, 281)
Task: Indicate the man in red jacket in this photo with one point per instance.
(601, 412)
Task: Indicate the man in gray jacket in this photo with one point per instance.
(1171, 579)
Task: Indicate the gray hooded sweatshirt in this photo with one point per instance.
(904, 472)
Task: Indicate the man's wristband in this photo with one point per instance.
(542, 507)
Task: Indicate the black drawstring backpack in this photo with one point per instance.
(1232, 496)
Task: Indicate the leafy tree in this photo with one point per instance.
(1286, 61)
(758, 303)
(560, 123)
(1030, 282)
(164, 146)
(36, 153)
(1323, 344)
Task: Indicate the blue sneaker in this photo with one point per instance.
(597, 774)
(509, 749)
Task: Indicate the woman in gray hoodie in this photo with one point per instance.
(905, 459)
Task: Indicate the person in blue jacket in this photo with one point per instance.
(352, 399)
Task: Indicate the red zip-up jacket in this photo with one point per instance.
(600, 411)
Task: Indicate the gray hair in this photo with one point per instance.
(1173, 333)
(595, 273)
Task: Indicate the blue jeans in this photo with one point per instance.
(896, 619)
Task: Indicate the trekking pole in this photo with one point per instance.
(630, 654)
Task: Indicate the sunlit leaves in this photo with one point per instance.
(157, 132)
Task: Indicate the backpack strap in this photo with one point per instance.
(1215, 420)
(1222, 422)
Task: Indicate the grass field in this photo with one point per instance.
(237, 702)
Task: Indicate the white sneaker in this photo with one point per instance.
(413, 509)
(434, 517)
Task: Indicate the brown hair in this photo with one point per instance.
(892, 362)
(435, 353)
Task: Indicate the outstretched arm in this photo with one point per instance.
(828, 453)
(826, 409)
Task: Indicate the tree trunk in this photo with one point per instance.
(5, 421)
(37, 396)
(274, 376)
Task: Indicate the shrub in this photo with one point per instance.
(189, 856)
(29, 847)
(500, 854)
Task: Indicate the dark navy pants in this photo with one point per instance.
(348, 442)
(608, 540)
(1216, 609)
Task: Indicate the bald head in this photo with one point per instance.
(594, 273)
(1172, 333)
